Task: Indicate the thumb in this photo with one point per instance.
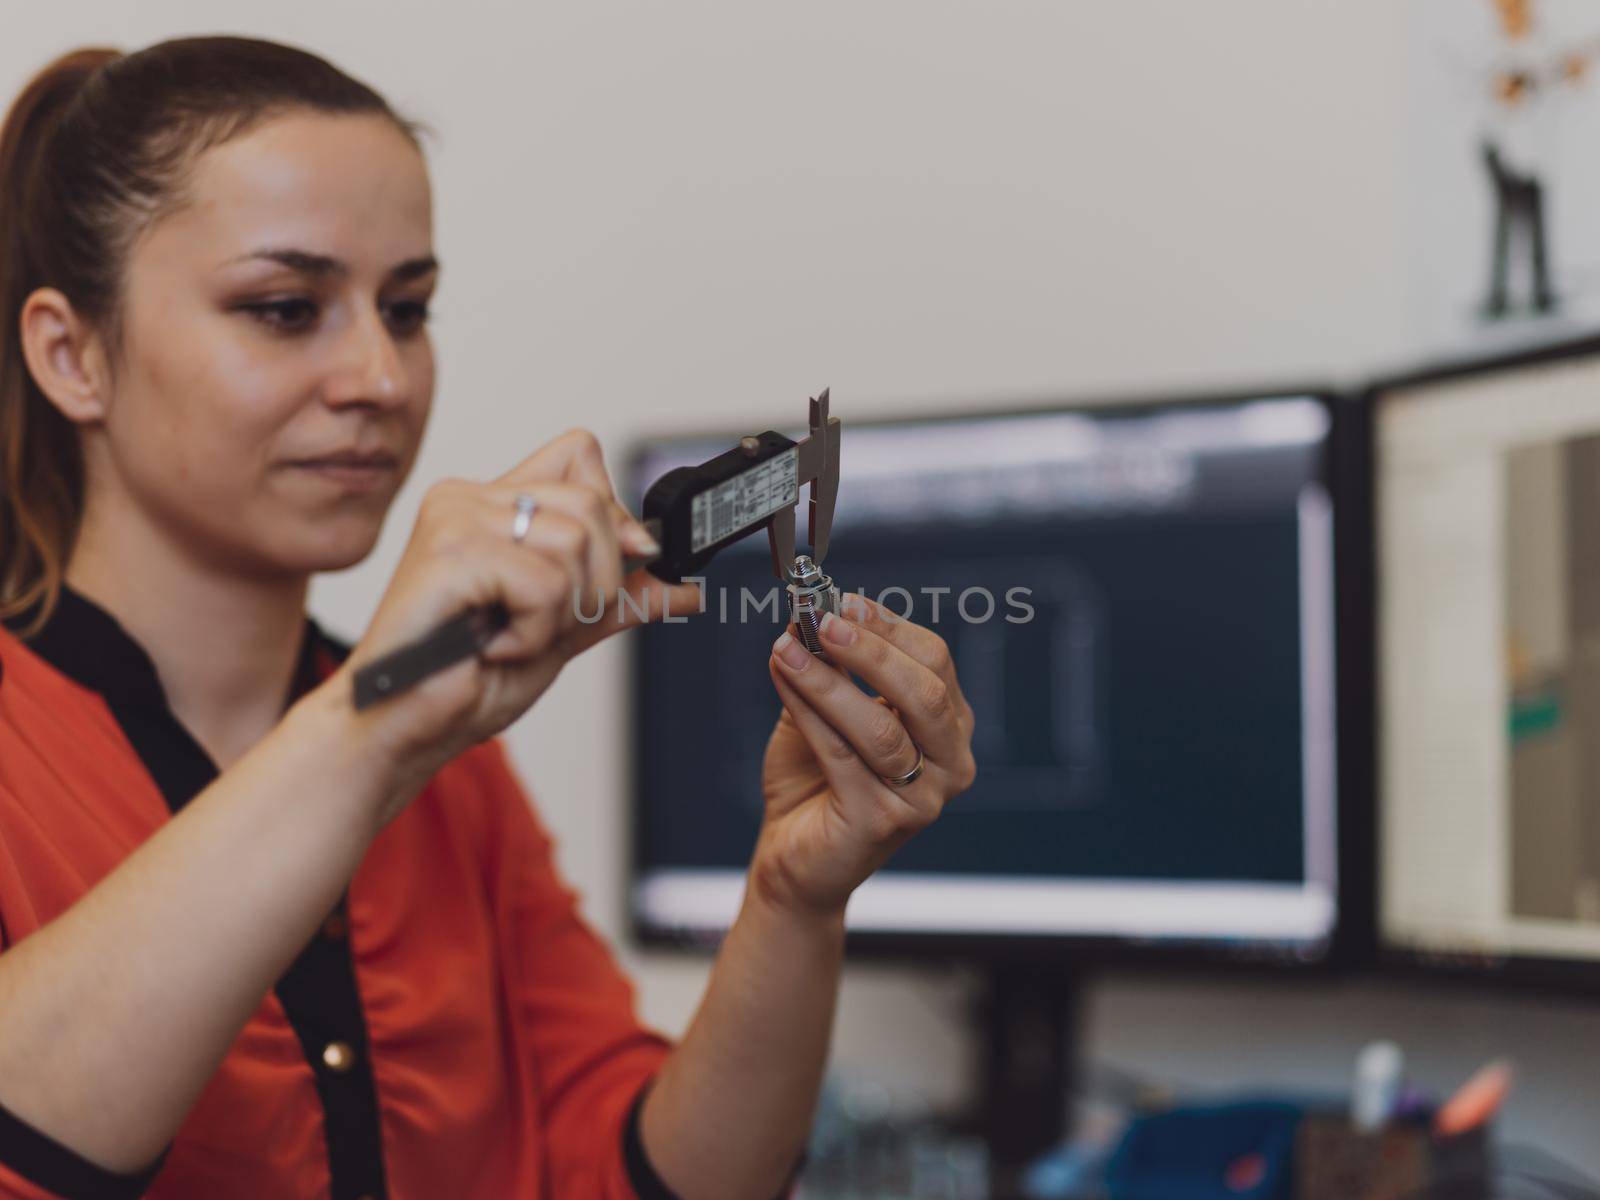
(644, 600)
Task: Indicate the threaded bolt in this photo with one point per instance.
(811, 593)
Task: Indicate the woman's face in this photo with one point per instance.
(274, 371)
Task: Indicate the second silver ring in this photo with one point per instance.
(910, 776)
(524, 517)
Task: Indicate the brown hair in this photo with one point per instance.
(94, 149)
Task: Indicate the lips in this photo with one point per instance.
(352, 471)
(357, 459)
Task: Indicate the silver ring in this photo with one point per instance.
(911, 775)
(524, 518)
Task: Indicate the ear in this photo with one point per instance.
(65, 356)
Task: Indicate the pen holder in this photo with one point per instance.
(1402, 1161)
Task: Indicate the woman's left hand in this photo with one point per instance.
(832, 819)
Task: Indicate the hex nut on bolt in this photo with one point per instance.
(811, 593)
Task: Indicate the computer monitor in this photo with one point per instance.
(1140, 601)
(1488, 587)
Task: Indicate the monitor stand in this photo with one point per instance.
(1028, 1019)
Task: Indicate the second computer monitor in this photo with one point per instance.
(1489, 666)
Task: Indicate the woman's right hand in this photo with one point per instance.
(461, 556)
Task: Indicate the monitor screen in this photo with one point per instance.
(1139, 603)
(1488, 523)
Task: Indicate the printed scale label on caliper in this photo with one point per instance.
(693, 513)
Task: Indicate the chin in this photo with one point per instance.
(334, 546)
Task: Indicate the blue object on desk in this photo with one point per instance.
(1067, 1173)
(1240, 1151)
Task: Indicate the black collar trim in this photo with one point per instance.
(89, 646)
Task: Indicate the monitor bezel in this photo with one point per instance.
(1347, 473)
(1523, 973)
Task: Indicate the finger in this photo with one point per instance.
(921, 643)
(875, 732)
(841, 766)
(536, 593)
(581, 504)
(920, 695)
(576, 456)
(551, 460)
(588, 465)
(566, 540)
(644, 599)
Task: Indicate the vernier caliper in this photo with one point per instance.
(692, 513)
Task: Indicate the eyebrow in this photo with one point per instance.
(324, 265)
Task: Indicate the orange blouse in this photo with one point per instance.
(455, 1029)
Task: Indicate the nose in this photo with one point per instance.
(370, 372)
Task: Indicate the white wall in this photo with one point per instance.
(696, 213)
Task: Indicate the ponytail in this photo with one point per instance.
(41, 462)
(93, 150)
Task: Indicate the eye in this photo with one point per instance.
(407, 317)
(293, 314)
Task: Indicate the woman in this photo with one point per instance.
(256, 943)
